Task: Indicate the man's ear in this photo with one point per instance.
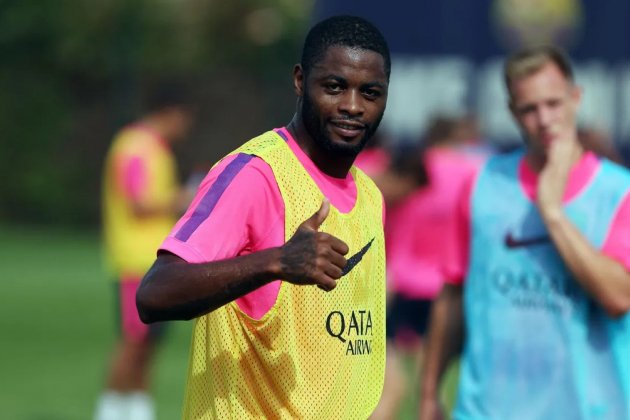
(298, 80)
(576, 94)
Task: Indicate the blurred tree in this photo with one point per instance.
(72, 72)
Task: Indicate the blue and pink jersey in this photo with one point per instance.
(616, 245)
(238, 210)
(538, 346)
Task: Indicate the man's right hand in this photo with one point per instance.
(313, 257)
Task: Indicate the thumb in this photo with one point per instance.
(316, 220)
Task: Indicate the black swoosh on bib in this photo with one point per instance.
(356, 258)
(512, 242)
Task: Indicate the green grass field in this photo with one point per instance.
(57, 323)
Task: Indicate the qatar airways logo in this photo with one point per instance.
(353, 329)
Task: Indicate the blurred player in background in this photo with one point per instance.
(539, 287)
(421, 188)
(281, 256)
(141, 201)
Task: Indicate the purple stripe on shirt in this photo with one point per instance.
(282, 134)
(207, 203)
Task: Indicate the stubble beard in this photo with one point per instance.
(315, 128)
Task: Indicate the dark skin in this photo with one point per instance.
(340, 104)
(347, 91)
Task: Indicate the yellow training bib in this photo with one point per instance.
(315, 354)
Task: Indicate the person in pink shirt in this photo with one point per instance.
(415, 225)
(422, 187)
(538, 286)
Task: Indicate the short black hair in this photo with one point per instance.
(343, 31)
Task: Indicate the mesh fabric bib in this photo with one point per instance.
(538, 347)
(315, 354)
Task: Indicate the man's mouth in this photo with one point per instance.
(346, 128)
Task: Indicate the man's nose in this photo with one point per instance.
(352, 103)
(545, 116)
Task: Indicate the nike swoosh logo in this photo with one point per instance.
(356, 258)
(512, 242)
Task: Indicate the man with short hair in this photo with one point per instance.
(281, 259)
(540, 287)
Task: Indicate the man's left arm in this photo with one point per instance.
(605, 278)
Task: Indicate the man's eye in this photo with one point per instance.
(526, 110)
(333, 87)
(372, 93)
(554, 103)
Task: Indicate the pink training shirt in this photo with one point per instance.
(131, 170)
(616, 245)
(416, 244)
(373, 161)
(238, 210)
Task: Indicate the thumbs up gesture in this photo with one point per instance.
(313, 257)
